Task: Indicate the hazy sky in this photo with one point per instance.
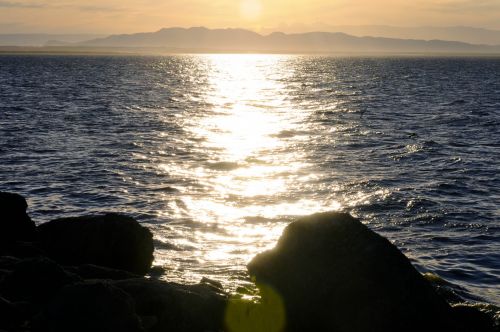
(115, 16)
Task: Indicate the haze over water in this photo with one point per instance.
(217, 153)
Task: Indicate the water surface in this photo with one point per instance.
(217, 153)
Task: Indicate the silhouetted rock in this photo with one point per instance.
(89, 306)
(216, 285)
(23, 249)
(328, 272)
(90, 271)
(472, 319)
(175, 307)
(110, 240)
(8, 262)
(13, 315)
(15, 224)
(35, 281)
(334, 274)
(7, 314)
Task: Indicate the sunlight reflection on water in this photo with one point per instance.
(247, 136)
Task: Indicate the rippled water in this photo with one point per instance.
(217, 153)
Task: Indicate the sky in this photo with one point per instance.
(129, 16)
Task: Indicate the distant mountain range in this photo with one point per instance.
(200, 39)
(42, 39)
(455, 33)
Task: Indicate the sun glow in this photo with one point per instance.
(250, 9)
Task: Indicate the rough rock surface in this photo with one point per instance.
(175, 307)
(35, 280)
(111, 240)
(334, 274)
(90, 271)
(89, 306)
(9, 314)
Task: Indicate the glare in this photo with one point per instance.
(248, 156)
(250, 9)
(248, 136)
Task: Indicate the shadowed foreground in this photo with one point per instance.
(328, 272)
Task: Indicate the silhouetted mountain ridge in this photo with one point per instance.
(40, 39)
(472, 35)
(240, 40)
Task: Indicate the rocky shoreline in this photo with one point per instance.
(328, 272)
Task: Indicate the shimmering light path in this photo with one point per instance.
(251, 139)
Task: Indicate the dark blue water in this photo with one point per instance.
(217, 153)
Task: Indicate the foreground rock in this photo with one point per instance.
(15, 224)
(112, 240)
(84, 274)
(175, 307)
(334, 274)
(327, 273)
(40, 295)
(89, 306)
(35, 281)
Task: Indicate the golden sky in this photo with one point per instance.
(128, 16)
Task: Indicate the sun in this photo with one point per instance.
(250, 9)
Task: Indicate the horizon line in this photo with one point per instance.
(305, 30)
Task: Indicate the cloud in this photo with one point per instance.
(97, 8)
(89, 8)
(468, 6)
(10, 4)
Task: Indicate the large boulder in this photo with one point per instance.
(175, 307)
(110, 240)
(334, 274)
(89, 306)
(15, 224)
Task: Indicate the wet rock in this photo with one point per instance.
(110, 240)
(174, 307)
(15, 224)
(223, 166)
(451, 293)
(156, 271)
(216, 285)
(472, 319)
(334, 274)
(35, 281)
(89, 306)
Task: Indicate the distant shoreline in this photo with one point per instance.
(110, 51)
(35, 50)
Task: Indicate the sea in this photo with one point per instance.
(217, 153)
